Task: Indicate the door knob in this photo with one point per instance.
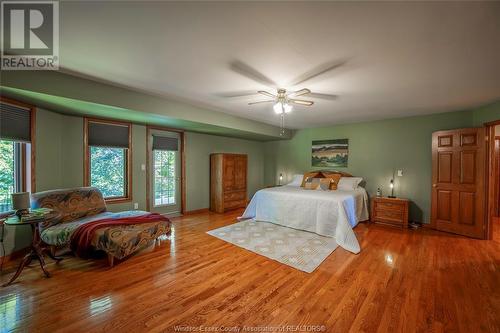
(434, 185)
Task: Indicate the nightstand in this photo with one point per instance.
(391, 211)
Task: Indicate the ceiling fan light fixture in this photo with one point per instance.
(280, 108)
(277, 108)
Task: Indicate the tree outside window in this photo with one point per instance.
(164, 177)
(108, 171)
(7, 174)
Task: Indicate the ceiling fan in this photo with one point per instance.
(283, 100)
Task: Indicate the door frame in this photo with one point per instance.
(149, 128)
(490, 183)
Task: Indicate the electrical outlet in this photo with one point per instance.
(136, 205)
(143, 167)
(400, 173)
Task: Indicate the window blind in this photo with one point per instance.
(108, 135)
(165, 143)
(15, 123)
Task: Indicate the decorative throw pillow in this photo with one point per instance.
(308, 175)
(312, 183)
(334, 177)
(349, 183)
(325, 183)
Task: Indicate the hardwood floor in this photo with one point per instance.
(402, 281)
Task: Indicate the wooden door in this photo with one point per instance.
(458, 181)
(240, 172)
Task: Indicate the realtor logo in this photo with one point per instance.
(30, 35)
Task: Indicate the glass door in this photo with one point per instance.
(165, 168)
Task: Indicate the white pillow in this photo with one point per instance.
(349, 183)
(296, 180)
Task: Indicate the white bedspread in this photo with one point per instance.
(326, 213)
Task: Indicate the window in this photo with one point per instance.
(16, 158)
(108, 171)
(164, 177)
(10, 175)
(107, 151)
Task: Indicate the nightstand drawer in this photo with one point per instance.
(393, 206)
(390, 215)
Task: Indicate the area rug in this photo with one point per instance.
(299, 249)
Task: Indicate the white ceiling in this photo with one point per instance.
(399, 58)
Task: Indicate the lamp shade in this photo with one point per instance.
(21, 200)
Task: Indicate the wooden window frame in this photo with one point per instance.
(24, 155)
(128, 160)
(183, 165)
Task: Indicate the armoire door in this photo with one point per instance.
(240, 172)
(229, 170)
(458, 181)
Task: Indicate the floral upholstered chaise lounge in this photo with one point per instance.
(117, 234)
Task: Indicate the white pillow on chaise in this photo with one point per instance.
(349, 183)
(296, 180)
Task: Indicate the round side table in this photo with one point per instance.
(36, 249)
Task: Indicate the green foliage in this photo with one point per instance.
(164, 177)
(6, 174)
(108, 170)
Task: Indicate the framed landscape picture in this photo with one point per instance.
(330, 153)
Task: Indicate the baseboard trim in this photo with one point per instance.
(427, 226)
(196, 211)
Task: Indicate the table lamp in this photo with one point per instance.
(392, 189)
(281, 179)
(21, 203)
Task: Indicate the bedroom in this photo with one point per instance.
(262, 216)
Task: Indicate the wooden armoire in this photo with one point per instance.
(228, 182)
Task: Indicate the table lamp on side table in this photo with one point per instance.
(21, 203)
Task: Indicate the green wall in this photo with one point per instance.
(66, 134)
(486, 114)
(198, 150)
(59, 164)
(48, 150)
(375, 150)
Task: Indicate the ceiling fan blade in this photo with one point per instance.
(329, 97)
(300, 92)
(302, 102)
(317, 71)
(265, 93)
(237, 94)
(251, 73)
(259, 102)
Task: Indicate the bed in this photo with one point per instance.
(327, 213)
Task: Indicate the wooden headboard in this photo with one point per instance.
(323, 172)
